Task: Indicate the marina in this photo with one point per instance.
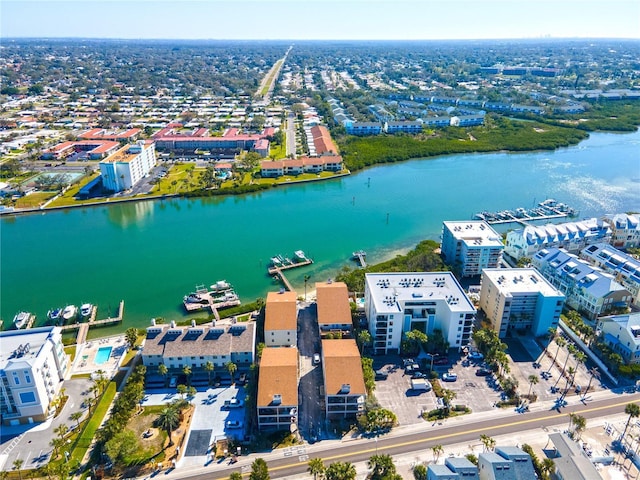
(545, 210)
(23, 320)
(279, 263)
(218, 296)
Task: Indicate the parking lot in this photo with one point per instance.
(476, 389)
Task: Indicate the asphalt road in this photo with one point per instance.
(400, 443)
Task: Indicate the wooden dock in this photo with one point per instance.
(32, 319)
(360, 257)
(210, 303)
(278, 270)
(83, 327)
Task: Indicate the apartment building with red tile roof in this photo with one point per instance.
(277, 399)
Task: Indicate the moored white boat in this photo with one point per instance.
(86, 309)
(54, 314)
(300, 255)
(21, 319)
(220, 286)
(69, 313)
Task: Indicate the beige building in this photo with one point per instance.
(344, 387)
(334, 311)
(277, 402)
(281, 320)
(519, 299)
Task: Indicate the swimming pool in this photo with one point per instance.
(102, 355)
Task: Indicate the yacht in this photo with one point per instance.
(86, 309)
(300, 255)
(220, 286)
(21, 319)
(69, 313)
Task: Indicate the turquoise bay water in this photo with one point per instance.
(153, 253)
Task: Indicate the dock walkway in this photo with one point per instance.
(361, 258)
(83, 327)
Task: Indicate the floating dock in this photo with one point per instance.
(211, 300)
(546, 210)
(83, 327)
(279, 264)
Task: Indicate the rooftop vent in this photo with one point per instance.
(346, 388)
(277, 399)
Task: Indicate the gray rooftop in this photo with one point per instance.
(23, 345)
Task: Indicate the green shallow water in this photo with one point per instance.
(150, 254)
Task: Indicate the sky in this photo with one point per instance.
(320, 19)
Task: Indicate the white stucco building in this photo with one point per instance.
(33, 366)
(622, 334)
(519, 299)
(281, 320)
(570, 236)
(625, 230)
(624, 268)
(396, 303)
(128, 166)
(470, 246)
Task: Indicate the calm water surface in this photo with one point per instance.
(152, 253)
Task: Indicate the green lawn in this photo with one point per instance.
(68, 198)
(178, 180)
(34, 200)
(278, 151)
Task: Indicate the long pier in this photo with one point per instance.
(546, 210)
(277, 272)
(360, 257)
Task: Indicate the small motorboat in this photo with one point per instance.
(69, 313)
(220, 286)
(21, 319)
(86, 309)
(54, 314)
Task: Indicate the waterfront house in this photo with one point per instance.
(396, 303)
(33, 366)
(588, 290)
(570, 236)
(298, 166)
(621, 333)
(364, 128)
(625, 230)
(194, 346)
(277, 399)
(281, 319)
(519, 299)
(334, 310)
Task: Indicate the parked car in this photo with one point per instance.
(381, 375)
(483, 372)
(233, 424)
(173, 382)
(408, 361)
(242, 379)
(316, 358)
(449, 377)
(411, 368)
(233, 403)
(418, 375)
(441, 361)
(475, 356)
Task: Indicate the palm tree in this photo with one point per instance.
(381, 466)
(561, 342)
(182, 390)
(209, 367)
(437, 451)
(17, 465)
(56, 443)
(316, 467)
(488, 443)
(61, 430)
(163, 370)
(231, 368)
(447, 396)
(169, 419)
(594, 373)
(76, 416)
(579, 424)
(187, 373)
(340, 471)
(259, 470)
(551, 333)
(533, 380)
(548, 466)
(420, 472)
(633, 410)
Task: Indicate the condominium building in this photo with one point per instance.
(277, 400)
(334, 311)
(396, 303)
(194, 346)
(506, 463)
(625, 230)
(519, 299)
(123, 169)
(344, 387)
(470, 246)
(33, 366)
(571, 236)
(281, 319)
(587, 289)
(622, 334)
(624, 268)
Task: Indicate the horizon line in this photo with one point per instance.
(550, 37)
